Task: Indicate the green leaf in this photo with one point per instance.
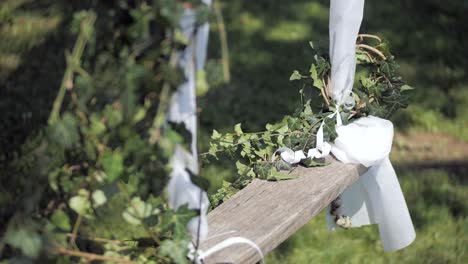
(295, 76)
(279, 176)
(97, 127)
(282, 165)
(313, 72)
(263, 171)
(139, 114)
(177, 221)
(99, 198)
(238, 129)
(406, 88)
(138, 211)
(310, 162)
(113, 116)
(319, 84)
(294, 123)
(215, 135)
(65, 131)
(202, 84)
(329, 129)
(28, 241)
(112, 163)
(244, 170)
(60, 219)
(80, 203)
(307, 109)
(175, 249)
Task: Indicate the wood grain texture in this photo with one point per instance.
(269, 212)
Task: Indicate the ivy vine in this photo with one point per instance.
(380, 91)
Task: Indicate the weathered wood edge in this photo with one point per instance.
(267, 213)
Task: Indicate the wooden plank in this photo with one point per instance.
(269, 212)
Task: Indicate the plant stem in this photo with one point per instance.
(155, 131)
(362, 36)
(324, 93)
(90, 256)
(74, 233)
(72, 61)
(376, 51)
(223, 41)
(97, 239)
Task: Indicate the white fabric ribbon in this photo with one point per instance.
(376, 198)
(344, 23)
(199, 256)
(182, 191)
(182, 109)
(323, 148)
(288, 155)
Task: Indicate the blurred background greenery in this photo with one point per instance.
(267, 41)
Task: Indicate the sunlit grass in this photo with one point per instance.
(289, 31)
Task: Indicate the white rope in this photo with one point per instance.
(201, 255)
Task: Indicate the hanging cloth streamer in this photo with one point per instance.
(376, 198)
(183, 110)
(345, 20)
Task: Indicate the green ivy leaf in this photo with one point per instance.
(112, 163)
(99, 198)
(139, 211)
(263, 170)
(295, 76)
(80, 203)
(282, 165)
(329, 129)
(113, 116)
(60, 219)
(310, 162)
(97, 127)
(176, 250)
(202, 84)
(294, 123)
(177, 221)
(238, 129)
(28, 241)
(313, 72)
(65, 131)
(279, 176)
(406, 88)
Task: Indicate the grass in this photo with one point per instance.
(267, 41)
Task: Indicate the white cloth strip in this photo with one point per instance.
(224, 244)
(183, 110)
(376, 198)
(344, 23)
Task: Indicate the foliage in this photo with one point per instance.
(379, 93)
(104, 153)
